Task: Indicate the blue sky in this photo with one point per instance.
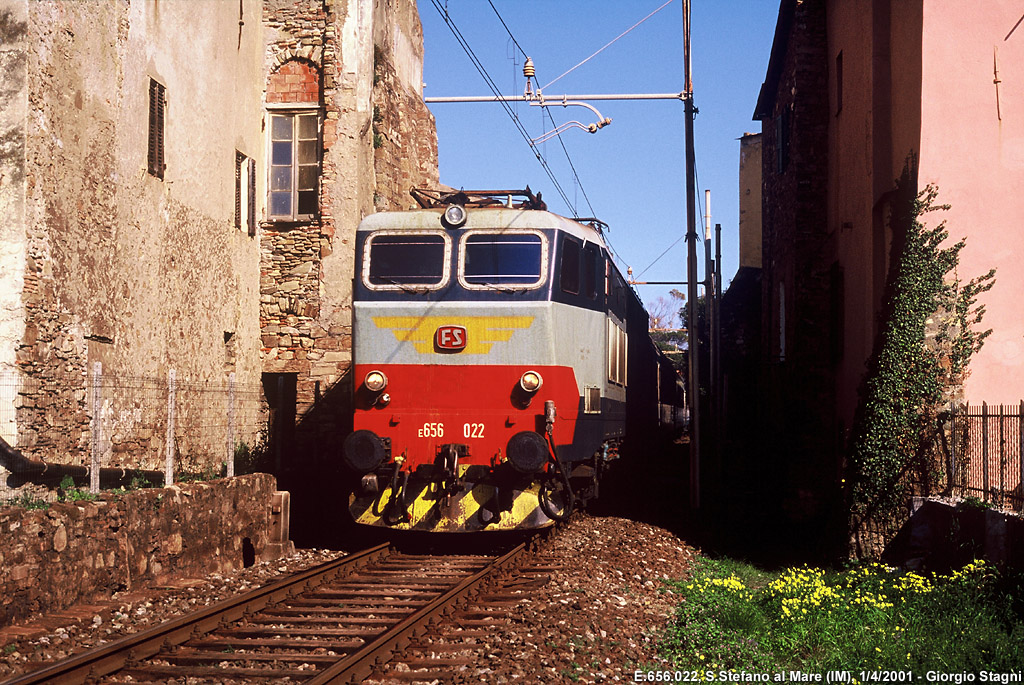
(631, 171)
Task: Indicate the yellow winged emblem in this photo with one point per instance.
(482, 331)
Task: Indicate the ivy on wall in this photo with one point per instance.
(910, 371)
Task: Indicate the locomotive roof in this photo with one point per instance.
(482, 217)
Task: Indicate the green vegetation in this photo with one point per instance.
(27, 500)
(68, 492)
(734, 616)
(254, 459)
(907, 375)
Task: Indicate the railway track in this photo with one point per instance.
(378, 615)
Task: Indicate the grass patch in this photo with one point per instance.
(735, 616)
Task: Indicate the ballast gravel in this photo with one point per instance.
(597, 620)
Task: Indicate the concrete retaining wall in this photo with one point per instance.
(85, 551)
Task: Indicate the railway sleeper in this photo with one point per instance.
(416, 677)
(194, 657)
(369, 599)
(164, 672)
(257, 643)
(271, 631)
(313, 620)
(336, 611)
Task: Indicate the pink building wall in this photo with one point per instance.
(977, 160)
(917, 79)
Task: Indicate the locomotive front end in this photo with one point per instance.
(460, 399)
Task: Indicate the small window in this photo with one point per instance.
(493, 259)
(839, 82)
(591, 400)
(157, 115)
(782, 140)
(294, 165)
(569, 269)
(400, 260)
(617, 349)
(590, 266)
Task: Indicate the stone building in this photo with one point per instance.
(180, 181)
(858, 94)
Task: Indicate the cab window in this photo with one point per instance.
(512, 259)
(569, 269)
(399, 260)
(591, 256)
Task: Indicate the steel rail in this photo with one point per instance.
(115, 655)
(357, 666)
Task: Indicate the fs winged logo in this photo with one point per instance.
(449, 338)
(472, 335)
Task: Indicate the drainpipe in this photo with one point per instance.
(24, 470)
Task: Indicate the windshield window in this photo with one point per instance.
(405, 259)
(502, 259)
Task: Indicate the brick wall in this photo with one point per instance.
(85, 551)
(294, 81)
(798, 253)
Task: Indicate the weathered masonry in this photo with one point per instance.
(180, 181)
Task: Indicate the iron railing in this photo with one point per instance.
(983, 448)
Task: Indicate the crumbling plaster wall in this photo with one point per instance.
(13, 115)
(123, 268)
(405, 149)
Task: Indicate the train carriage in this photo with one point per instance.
(491, 344)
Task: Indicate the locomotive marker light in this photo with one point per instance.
(527, 386)
(454, 216)
(375, 381)
(531, 381)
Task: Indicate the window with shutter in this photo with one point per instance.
(245, 193)
(252, 197)
(157, 109)
(240, 165)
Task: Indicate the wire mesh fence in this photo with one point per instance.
(114, 430)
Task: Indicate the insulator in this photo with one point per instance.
(528, 70)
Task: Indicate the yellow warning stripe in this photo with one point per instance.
(461, 514)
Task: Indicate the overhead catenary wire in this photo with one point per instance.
(464, 44)
(666, 4)
(506, 28)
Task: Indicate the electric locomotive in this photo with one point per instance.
(490, 345)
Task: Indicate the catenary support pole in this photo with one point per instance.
(691, 273)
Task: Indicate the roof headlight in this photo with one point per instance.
(454, 216)
(531, 381)
(375, 381)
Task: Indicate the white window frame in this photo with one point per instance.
(293, 110)
(245, 193)
(446, 267)
(503, 286)
(618, 348)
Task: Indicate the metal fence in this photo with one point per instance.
(115, 429)
(984, 444)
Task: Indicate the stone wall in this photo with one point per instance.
(84, 551)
